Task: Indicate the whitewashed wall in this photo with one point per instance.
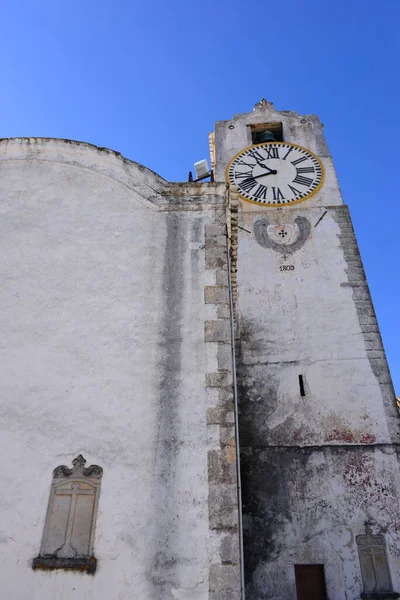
(102, 352)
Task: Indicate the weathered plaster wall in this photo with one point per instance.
(104, 310)
(307, 321)
(315, 467)
(307, 505)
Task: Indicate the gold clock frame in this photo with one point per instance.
(286, 203)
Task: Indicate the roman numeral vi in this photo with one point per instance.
(277, 194)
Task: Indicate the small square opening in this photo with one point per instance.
(258, 132)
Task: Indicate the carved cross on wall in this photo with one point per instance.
(66, 550)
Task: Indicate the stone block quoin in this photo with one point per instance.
(224, 574)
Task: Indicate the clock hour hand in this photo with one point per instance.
(265, 167)
(271, 172)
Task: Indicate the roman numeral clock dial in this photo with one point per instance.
(276, 173)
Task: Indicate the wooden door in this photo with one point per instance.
(310, 582)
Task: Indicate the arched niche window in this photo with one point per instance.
(70, 521)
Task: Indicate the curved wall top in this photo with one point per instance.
(145, 185)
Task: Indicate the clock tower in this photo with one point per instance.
(319, 426)
(188, 414)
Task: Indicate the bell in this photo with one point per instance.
(265, 136)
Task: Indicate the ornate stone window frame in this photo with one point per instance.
(68, 525)
(374, 567)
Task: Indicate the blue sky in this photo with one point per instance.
(149, 79)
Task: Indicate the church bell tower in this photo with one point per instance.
(319, 426)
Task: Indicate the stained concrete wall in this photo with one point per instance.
(317, 467)
(103, 319)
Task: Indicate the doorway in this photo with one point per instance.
(310, 582)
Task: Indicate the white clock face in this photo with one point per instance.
(276, 173)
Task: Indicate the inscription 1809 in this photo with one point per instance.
(286, 268)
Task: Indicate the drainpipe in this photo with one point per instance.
(236, 410)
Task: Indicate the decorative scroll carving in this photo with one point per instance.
(285, 238)
(374, 566)
(70, 522)
(78, 469)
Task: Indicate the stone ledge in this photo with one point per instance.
(83, 564)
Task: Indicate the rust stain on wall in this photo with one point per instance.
(230, 451)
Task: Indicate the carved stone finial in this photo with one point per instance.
(78, 469)
(368, 528)
(79, 460)
(263, 104)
